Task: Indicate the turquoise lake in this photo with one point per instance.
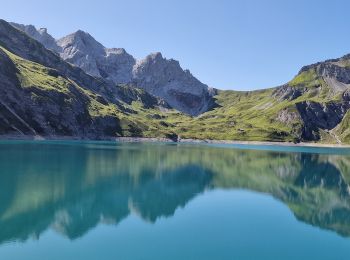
(106, 200)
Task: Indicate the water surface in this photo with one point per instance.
(101, 200)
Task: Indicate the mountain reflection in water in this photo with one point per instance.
(72, 187)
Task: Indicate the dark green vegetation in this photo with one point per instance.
(43, 95)
(73, 187)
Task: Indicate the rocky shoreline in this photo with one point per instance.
(149, 139)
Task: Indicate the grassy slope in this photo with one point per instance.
(135, 119)
(240, 116)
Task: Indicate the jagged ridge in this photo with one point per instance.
(157, 75)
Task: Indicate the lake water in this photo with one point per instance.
(104, 200)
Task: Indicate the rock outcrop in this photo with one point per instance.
(317, 116)
(336, 72)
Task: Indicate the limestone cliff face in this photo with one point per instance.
(321, 96)
(166, 79)
(161, 77)
(320, 116)
(82, 50)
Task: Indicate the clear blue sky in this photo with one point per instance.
(241, 45)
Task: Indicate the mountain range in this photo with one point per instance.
(76, 87)
(157, 75)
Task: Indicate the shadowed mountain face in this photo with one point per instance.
(73, 187)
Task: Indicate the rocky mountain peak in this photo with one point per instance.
(166, 79)
(80, 41)
(81, 49)
(41, 35)
(84, 37)
(29, 29)
(161, 77)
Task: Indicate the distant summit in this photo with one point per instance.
(40, 35)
